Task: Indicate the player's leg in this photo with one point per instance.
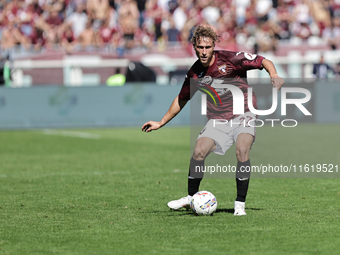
(243, 145)
(204, 146)
(202, 149)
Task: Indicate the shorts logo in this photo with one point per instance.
(223, 69)
(203, 130)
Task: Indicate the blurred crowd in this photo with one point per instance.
(125, 24)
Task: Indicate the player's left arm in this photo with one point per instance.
(276, 80)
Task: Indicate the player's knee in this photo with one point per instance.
(242, 153)
(199, 153)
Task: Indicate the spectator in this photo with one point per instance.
(320, 14)
(302, 30)
(54, 19)
(283, 20)
(54, 5)
(240, 10)
(11, 10)
(266, 38)
(37, 38)
(211, 13)
(164, 4)
(141, 8)
(98, 11)
(71, 6)
(138, 23)
(263, 8)
(251, 21)
(112, 19)
(302, 12)
(11, 37)
(179, 15)
(226, 27)
(106, 35)
(170, 32)
(320, 70)
(53, 23)
(154, 14)
(68, 41)
(334, 8)
(143, 38)
(87, 39)
(332, 33)
(77, 20)
(128, 16)
(25, 18)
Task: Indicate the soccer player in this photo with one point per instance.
(211, 68)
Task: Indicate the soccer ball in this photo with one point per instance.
(203, 203)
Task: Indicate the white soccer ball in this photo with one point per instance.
(203, 203)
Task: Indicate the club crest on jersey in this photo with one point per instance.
(223, 69)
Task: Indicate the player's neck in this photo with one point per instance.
(212, 60)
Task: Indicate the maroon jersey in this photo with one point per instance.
(229, 68)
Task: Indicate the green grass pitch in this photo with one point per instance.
(104, 191)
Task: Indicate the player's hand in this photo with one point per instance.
(151, 125)
(277, 81)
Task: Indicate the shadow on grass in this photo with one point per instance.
(170, 213)
(183, 212)
(231, 210)
(224, 210)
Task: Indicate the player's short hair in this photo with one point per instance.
(204, 31)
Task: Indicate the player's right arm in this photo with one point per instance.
(176, 106)
(187, 91)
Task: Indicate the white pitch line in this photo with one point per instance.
(71, 134)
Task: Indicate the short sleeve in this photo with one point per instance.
(188, 90)
(248, 61)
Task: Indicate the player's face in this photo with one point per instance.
(204, 48)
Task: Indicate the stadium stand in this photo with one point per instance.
(56, 30)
